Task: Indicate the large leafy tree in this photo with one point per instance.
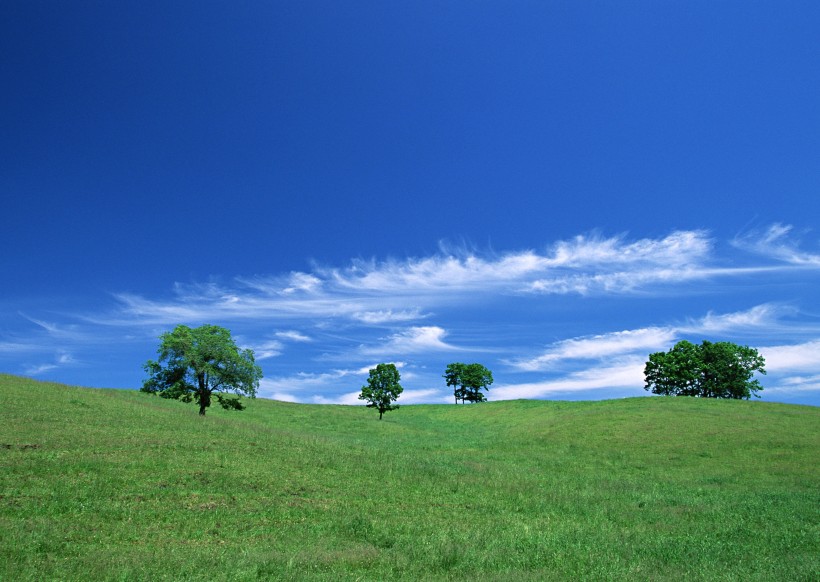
(382, 388)
(200, 364)
(468, 381)
(708, 370)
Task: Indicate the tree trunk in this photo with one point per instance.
(380, 413)
(204, 395)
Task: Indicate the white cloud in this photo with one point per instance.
(302, 282)
(268, 349)
(526, 269)
(802, 381)
(601, 346)
(18, 348)
(625, 281)
(646, 340)
(62, 358)
(37, 370)
(758, 316)
(792, 358)
(626, 374)
(793, 384)
(775, 243)
(413, 340)
(366, 369)
(282, 396)
(350, 398)
(388, 316)
(426, 395)
(679, 248)
(417, 275)
(378, 292)
(301, 381)
(308, 381)
(58, 331)
(293, 336)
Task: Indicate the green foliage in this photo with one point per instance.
(453, 375)
(710, 370)
(201, 363)
(129, 487)
(468, 381)
(382, 388)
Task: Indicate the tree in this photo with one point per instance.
(197, 364)
(382, 388)
(453, 375)
(475, 379)
(710, 370)
(468, 381)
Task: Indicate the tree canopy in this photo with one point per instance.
(708, 370)
(382, 388)
(468, 381)
(201, 363)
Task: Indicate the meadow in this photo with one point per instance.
(120, 485)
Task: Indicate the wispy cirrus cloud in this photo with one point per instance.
(764, 315)
(302, 381)
(62, 358)
(624, 373)
(644, 340)
(793, 384)
(495, 304)
(17, 348)
(270, 348)
(285, 387)
(392, 291)
(267, 349)
(426, 395)
(39, 369)
(616, 360)
(776, 242)
(58, 331)
(389, 316)
(292, 335)
(529, 270)
(600, 346)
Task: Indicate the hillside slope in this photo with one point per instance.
(114, 484)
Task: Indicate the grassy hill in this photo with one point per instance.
(119, 485)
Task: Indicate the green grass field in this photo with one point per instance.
(119, 485)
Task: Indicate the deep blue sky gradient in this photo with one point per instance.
(155, 150)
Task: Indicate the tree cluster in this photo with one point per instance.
(203, 363)
(468, 381)
(708, 370)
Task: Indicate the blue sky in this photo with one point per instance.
(553, 189)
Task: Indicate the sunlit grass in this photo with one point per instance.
(109, 484)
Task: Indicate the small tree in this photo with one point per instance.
(710, 370)
(475, 379)
(468, 381)
(382, 388)
(453, 375)
(196, 364)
